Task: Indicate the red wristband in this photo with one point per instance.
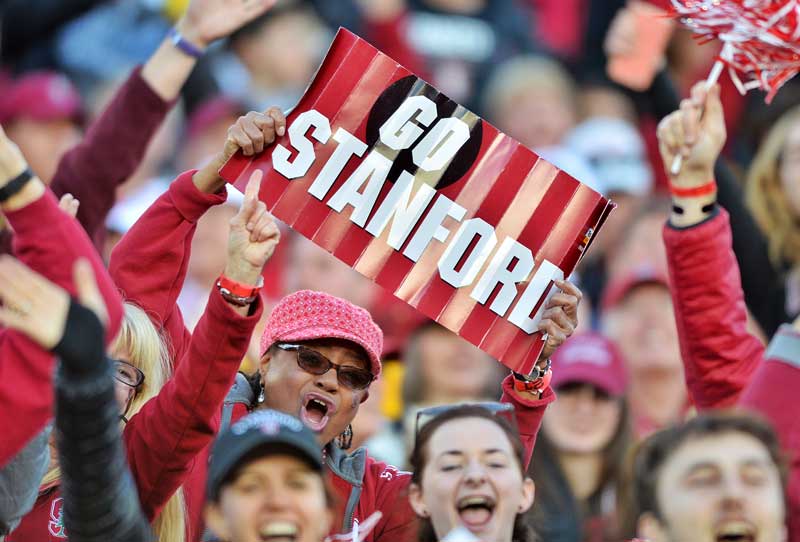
(702, 190)
(540, 384)
(238, 289)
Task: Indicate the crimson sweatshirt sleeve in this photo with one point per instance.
(398, 522)
(529, 414)
(48, 241)
(111, 150)
(772, 392)
(149, 264)
(719, 355)
(166, 435)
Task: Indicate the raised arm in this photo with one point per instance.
(150, 262)
(719, 354)
(116, 142)
(559, 321)
(87, 413)
(164, 437)
(48, 241)
(764, 290)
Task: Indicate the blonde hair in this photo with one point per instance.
(524, 72)
(147, 351)
(765, 196)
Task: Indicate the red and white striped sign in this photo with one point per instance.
(427, 199)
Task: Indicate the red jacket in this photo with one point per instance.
(163, 439)
(108, 154)
(725, 365)
(149, 265)
(49, 242)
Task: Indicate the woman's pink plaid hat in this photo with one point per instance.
(307, 315)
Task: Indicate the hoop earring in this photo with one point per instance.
(345, 440)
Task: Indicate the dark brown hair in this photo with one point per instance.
(419, 459)
(546, 470)
(654, 452)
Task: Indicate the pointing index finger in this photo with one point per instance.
(253, 185)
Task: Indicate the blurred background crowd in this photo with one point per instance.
(536, 69)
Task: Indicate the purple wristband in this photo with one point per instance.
(183, 44)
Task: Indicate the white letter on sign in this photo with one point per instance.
(403, 214)
(443, 141)
(498, 273)
(431, 227)
(520, 316)
(305, 149)
(399, 132)
(375, 167)
(348, 145)
(455, 251)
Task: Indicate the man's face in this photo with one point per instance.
(323, 404)
(719, 488)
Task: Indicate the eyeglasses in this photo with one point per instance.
(313, 362)
(498, 409)
(127, 373)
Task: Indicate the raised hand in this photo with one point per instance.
(251, 133)
(254, 131)
(253, 236)
(12, 163)
(208, 20)
(38, 308)
(560, 317)
(696, 131)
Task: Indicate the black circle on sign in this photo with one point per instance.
(388, 102)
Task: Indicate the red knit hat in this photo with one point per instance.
(307, 315)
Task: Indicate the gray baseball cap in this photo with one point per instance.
(268, 431)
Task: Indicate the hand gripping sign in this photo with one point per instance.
(430, 201)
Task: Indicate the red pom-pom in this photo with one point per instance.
(761, 38)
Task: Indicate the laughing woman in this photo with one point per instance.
(469, 473)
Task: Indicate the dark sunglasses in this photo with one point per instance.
(315, 363)
(127, 373)
(498, 409)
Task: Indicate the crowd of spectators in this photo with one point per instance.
(126, 109)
